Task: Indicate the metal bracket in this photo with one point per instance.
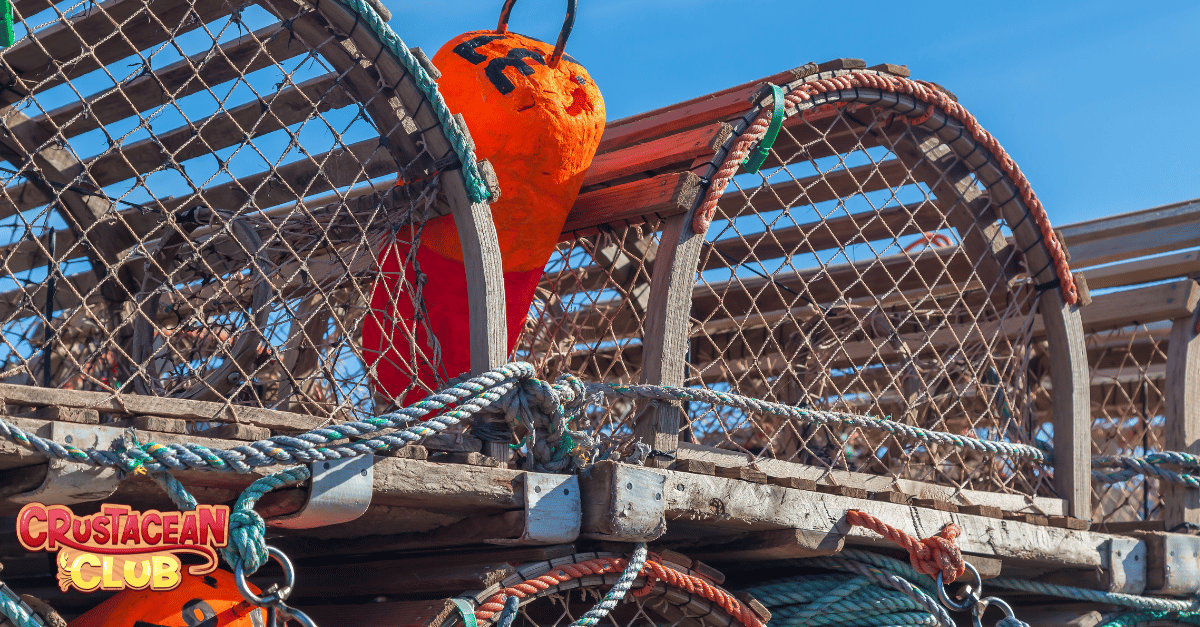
(1172, 564)
(340, 491)
(68, 482)
(553, 513)
(1125, 561)
(625, 503)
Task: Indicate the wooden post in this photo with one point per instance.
(1072, 403)
(665, 340)
(1181, 504)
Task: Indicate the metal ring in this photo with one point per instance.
(568, 24)
(289, 578)
(973, 592)
(291, 614)
(982, 605)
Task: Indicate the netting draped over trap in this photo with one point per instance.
(198, 196)
(881, 262)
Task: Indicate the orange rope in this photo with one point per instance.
(654, 570)
(936, 100)
(933, 555)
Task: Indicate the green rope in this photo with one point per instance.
(366, 15)
(247, 529)
(16, 610)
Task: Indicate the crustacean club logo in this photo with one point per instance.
(120, 548)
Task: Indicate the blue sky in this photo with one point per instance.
(1095, 101)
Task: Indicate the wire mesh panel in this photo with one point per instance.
(867, 269)
(201, 202)
(588, 316)
(1128, 368)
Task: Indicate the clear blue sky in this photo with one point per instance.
(1096, 101)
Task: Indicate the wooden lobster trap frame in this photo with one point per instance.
(1144, 355)
(875, 265)
(198, 195)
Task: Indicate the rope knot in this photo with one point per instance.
(930, 556)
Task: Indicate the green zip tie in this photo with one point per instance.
(6, 15)
(755, 159)
(466, 610)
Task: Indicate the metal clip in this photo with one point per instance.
(553, 513)
(68, 482)
(340, 492)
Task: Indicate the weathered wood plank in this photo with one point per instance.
(138, 405)
(1134, 234)
(221, 130)
(746, 506)
(872, 483)
(1185, 264)
(662, 196)
(202, 70)
(73, 47)
(1181, 506)
(679, 150)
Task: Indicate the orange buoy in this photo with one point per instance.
(210, 600)
(537, 116)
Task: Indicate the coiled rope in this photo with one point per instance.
(935, 100)
(640, 562)
(877, 591)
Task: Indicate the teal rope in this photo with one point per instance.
(477, 189)
(614, 596)
(867, 596)
(16, 610)
(1145, 604)
(247, 529)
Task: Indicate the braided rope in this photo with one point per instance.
(17, 611)
(1155, 604)
(617, 593)
(513, 388)
(930, 556)
(854, 598)
(655, 571)
(247, 529)
(468, 397)
(935, 101)
(811, 416)
(366, 15)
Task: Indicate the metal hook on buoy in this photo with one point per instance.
(563, 34)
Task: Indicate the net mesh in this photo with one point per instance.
(1128, 373)
(197, 197)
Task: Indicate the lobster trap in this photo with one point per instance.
(1143, 359)
(201, 200)
(880, 262)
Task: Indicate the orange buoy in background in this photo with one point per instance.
(536, 115)
(210, 600)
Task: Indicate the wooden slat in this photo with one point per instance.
(662, 196)
(1185, 264)
(1133, 235)
(677, 150)
(870, 277)
(1181, 506)
(1167, 301)
(753, 506)
(207, 69)
(71, 48)
(821, 187)
(357, 163)
(224, 129)
(137, 405)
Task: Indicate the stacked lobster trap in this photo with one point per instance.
(198, 197)
(870, 266)
(1140, 268)
(825, 291)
